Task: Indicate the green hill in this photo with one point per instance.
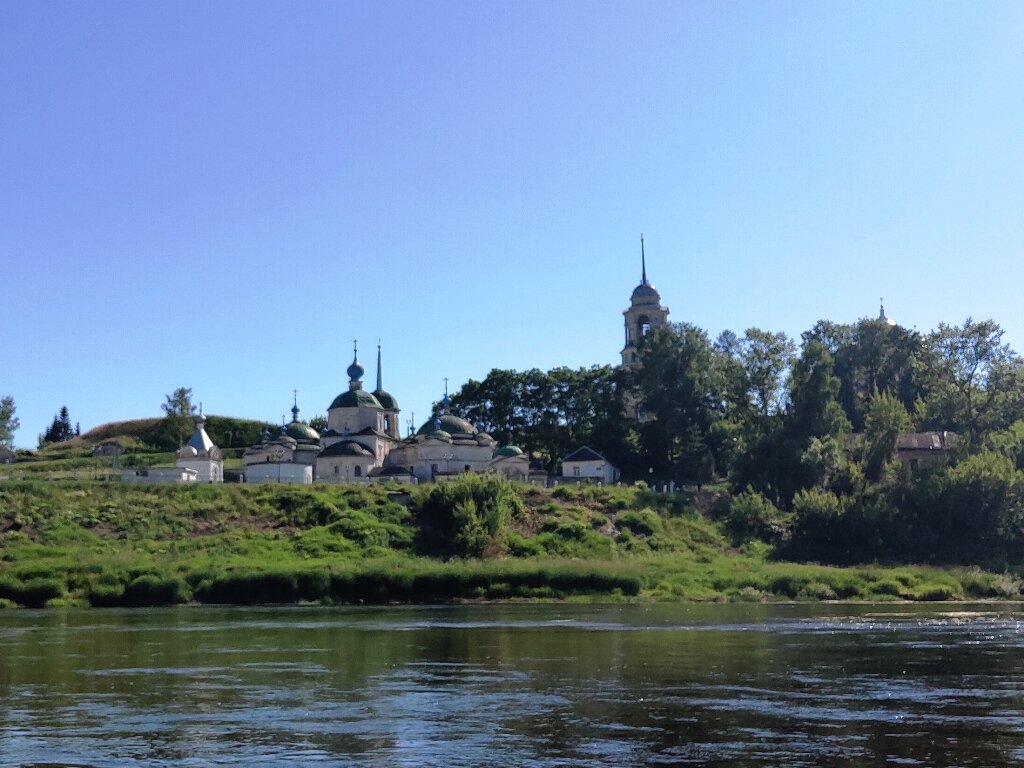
(478, 537)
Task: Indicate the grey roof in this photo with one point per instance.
(346, 448)
(927, 441)
(584, 454)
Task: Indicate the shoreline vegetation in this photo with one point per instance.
(477, 538)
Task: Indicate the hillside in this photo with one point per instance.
(146, 444)
(476, 538)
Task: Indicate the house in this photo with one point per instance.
(110, 449)
(925, 449)
(587, 464)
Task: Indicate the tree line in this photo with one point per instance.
(802, 433)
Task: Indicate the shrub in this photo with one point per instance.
(469, 515)
(751, 516)
(150, 589)
(641, 523)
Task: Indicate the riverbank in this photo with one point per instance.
(99, 544)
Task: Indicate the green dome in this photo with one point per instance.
(453, 425)
(355, 398)
(346, 448)
(299, 431)
(509, 450)
(386, 399)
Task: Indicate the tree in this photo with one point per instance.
(60, 428)
(9, 423)
(681, 388)
(975, 380)
(886, 419)
(319, 423)
(178, 411)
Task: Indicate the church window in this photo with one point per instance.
(466, 468)
(575, 471)
(359, 471)
(337, 470)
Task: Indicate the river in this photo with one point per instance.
(518, 685)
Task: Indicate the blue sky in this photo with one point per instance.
(224, 195)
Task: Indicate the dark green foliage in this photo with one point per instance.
(32, 592)
(60, 430)
(150, 589)
(251, 588)
(640, 522)
(468, 516)
(751, 516)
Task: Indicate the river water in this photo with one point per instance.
(520, 685)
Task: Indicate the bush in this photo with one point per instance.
(751, 516)
(469, 516)
(641, 523)
(253, 588)
(149, 589)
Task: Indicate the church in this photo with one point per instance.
(363, 443)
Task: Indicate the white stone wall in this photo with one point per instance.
(299, 474)
(207, 470)
(159, 475)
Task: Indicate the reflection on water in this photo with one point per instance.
(743, 685)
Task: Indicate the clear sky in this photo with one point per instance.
(224, 195)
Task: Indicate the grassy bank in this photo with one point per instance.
(100, 544)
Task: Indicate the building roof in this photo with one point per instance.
(297, 430)
(927, 441)
(355, 398)
(509, 450)
(386, 399)
(584, 454)
(450, 424)
(346, 448)
(200, 443)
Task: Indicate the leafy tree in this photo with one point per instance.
(178, 412)
(886, 420)
(681, 387)
(9, 423)
(319, 423)
(975, 380)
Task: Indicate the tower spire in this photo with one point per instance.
(380, 386)
(295, 405)
(643, 260)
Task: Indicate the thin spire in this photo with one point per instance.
(881, 308)
(380, 385)
(643, 260)
(295, 405)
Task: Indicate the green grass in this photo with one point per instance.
(93, 543)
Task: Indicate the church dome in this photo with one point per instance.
(509, 450)
(645, 293)
(449, 423)
(386, 399)
(299, 431)
(355, 398)
(346, 448)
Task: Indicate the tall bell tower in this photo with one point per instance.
(645, 312)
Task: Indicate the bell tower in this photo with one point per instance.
(645, 312)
